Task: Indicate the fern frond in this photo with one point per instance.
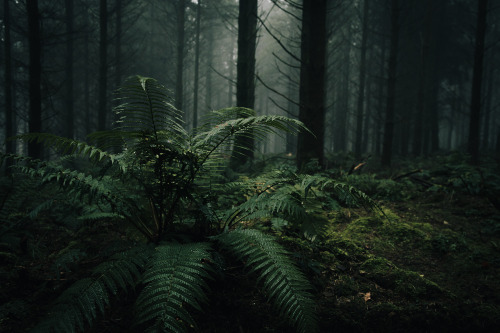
(67, 146)
(79, 305)
(148, 109)
(174, 280)
(346, 193)
(227, 123)
(285, 285)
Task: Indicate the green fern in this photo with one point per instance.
(285, 285)
(297, 198)
(79, 305)
(174, 283)
(165, 183)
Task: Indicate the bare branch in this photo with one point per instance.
(278, 41)
(275, 91)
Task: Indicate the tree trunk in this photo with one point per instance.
(197, 65)
(477, 80)
(422, 98)
(86, 78)
(118, 45)
(69, 127)
(342, 110)
(179, 82)
(245, 81)
(487, 112)
(9, 109)
(103, 64)
(312, 82)
(362, 80)
(391, 85)
(35, 76)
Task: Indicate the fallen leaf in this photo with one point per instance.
(366, 296)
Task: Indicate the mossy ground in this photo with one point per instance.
(430, 264)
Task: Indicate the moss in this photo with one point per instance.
(404, 282)
(345, 286)
(345, 249)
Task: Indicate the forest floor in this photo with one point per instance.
(429, 263)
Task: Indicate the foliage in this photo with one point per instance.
(299, 201)
(150, 172)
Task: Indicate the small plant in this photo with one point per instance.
(163, 181)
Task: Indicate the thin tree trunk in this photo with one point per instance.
(245, 81)
(179, 84)
(312, 81)
(9, 110)
(362, 80)
(230, 93)
(344, 94)
(69, 127)
(197, 65)
(391, 86)
(86, 78)
(118, 45)
(422, 98)
(477, 80)
(208, 74)
(487, 113)
(35, 76)
(103, 64)
(380, 104)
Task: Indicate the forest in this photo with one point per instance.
(249, 166)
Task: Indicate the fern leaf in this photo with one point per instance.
(286, 286)
(173, 280)
(147, 110)
(79, 305)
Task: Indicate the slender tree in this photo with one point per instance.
(118, 44)
(245, 81)
(477, 80)
(103, 64)
(423, 74)
(35, 76)
(391, 86)
(197, 64)
(312, 81)
(179, 82)
(362, 80)
(69, 104)
(9, 110)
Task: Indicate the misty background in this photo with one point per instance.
(401, 78)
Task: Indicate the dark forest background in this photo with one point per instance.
(281, 165)
(381, 77)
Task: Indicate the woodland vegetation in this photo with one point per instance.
(249, 166)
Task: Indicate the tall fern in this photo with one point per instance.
(174, 285)
(285, 285)
(148, 170)
(78, 306)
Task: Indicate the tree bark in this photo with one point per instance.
(477, 80)
(245, 72)
(103, 64)
(179, 81)
(391, 86)
(197, 65)
(35, 76)
(9, 107)
(69, 127)
(312, 82)
(362, 80)
(118, 45)
(422, 96)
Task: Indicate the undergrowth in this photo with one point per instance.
(158, 195)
